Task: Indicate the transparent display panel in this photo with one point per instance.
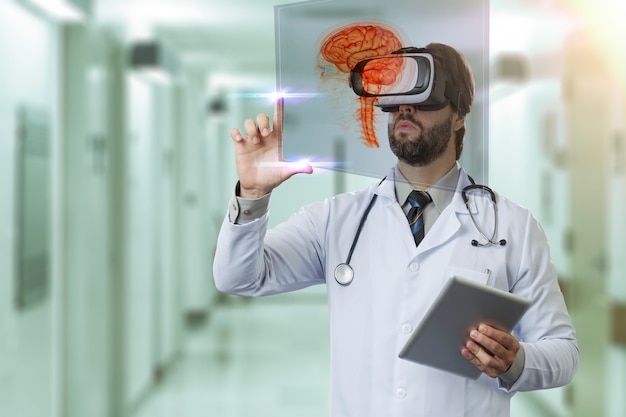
(318, 42)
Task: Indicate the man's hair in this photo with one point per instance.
(460, 73)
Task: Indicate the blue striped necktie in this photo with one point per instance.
(418, 200)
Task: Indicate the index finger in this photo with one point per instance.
(279, 114)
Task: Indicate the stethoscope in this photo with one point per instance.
(344, 274)
(492, 240)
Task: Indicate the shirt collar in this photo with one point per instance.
(441, 192)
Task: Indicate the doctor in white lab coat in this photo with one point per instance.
(396, 281)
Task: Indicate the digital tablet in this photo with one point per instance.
(460, 306)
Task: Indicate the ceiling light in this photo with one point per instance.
(64, 10)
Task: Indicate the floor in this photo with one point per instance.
(261, 357)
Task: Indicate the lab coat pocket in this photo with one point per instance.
(482, 277)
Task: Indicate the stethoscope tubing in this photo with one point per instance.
(344, 274)
(492, 195)
(361, 224)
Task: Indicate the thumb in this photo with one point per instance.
(299, 167)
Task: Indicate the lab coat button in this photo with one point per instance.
(247, 212)
(407, 328)
(414, 266)
(401, 393)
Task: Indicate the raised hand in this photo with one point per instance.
(259, 155)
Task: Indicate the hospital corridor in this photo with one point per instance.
(117, 168)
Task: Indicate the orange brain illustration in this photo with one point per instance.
(347, 46)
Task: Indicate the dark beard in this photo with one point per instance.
(423, 149)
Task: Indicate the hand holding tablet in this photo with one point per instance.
(462, 305)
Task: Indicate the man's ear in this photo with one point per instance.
(458, 121)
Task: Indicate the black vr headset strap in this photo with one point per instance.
(454, 95)
(411, 50)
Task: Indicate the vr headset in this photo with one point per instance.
(407, 76)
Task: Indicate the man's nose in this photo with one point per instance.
(407, 109)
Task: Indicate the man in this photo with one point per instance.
(397, 275)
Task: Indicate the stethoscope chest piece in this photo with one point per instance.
(344, 274)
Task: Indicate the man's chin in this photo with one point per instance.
(405, 135)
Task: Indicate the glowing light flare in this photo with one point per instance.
(347, 46)
(302, 164)
(278, 95)
(281, 164)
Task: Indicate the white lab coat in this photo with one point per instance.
(395, 283)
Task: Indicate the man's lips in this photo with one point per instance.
(405, 125)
